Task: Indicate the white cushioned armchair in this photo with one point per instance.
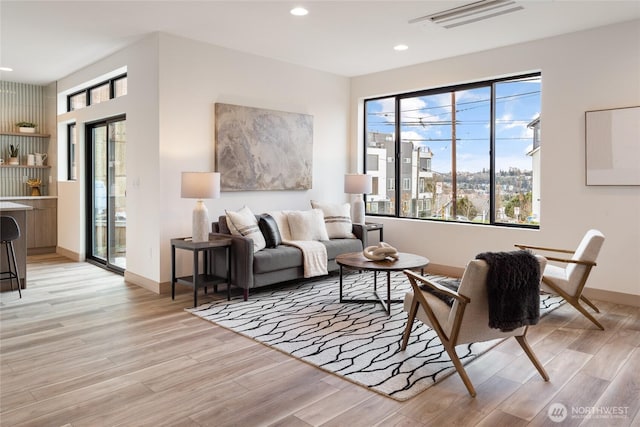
(569, 278)
(467, 320)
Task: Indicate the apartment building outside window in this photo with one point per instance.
(462, 153)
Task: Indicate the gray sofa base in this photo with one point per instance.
(274, 265)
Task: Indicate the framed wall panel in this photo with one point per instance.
(613, 146)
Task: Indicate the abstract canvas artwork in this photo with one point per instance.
(260, 150)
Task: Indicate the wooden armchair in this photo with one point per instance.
(569, 280)
(467, 320)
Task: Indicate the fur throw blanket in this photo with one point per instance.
(513, 289)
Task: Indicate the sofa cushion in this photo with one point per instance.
(307, 225)
(336, 247)
(269, 229)
(337, 219)
(244, 223)
(273, 259)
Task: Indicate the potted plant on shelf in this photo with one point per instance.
(13, 154)
(26, 127)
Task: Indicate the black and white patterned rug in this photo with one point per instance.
(356, 341)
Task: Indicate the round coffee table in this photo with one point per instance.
(357, 261)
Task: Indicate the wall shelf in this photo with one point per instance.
(13, 177)
(28, 135)
(25, 166)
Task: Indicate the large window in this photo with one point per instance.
(467, 153)
(96, 94)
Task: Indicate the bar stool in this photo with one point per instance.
(10, 231)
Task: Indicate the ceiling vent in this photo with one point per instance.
(469, 13)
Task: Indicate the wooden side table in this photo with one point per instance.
(197, 279)
(372, 226)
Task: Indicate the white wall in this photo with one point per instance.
(143, 193)
(173, 84)
(589, 70)
(194, 76)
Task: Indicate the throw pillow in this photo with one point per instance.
(451, 284)
(244, 223)
(307, 225)
(337, 219)
(281, 219)
(269, 229)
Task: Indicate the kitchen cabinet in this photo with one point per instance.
(42, 224)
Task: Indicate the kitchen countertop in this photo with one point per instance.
(8, 198)
(10, 206)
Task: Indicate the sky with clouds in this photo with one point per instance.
(426, 121)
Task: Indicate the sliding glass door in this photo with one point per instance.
(106, 193)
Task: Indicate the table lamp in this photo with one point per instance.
(359, 184)
(200, 185)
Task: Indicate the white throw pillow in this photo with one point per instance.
(244, 223)
(337, 219)
(307, 225)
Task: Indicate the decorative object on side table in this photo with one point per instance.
(200, 185)
(14, 150)
(359, 184)
(26, 127)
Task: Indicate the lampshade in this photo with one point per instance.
(356, 183)
(200, 185)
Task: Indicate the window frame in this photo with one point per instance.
(87, 92)
(398, 97)
(71, 152)
(73, 95)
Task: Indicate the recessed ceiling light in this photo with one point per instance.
(299, 11)
(400, 47)
(6, 69)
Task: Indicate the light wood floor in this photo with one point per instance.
(83, 348)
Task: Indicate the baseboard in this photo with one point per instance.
(612, 296)
(160, 288)
(41, 251)
(74, 256)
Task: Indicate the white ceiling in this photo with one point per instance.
(46, 40)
